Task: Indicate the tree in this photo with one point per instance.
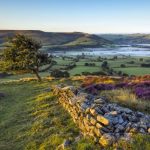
(122, 65)
(22, 54)
(104, 65)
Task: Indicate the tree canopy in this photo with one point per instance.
(22, 54)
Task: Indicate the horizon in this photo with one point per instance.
(116, 17)
(70, 31)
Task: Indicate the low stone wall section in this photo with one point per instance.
(105, 122)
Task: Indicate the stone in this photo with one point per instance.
(148, 130)
(93, 112)
(97, 132)
(66, 143)
(99, 101)
(139, 114)
(88, 116)
(133, 130)
(126, 110)
(120, 127)
(112, 119)
(93, 121)
(98, 125)
(106, 140)
(106, 130)
(102, 120)
(96, 139)
(144, 126)
(128, 129)
(126, 137)
(60, 147)
(87, 110)
(87, 127)
(113, 113)
(132, 118)
(120, 119)
(124, 123)
(77, 139)
(69, 88)
(99, 111)
(117, 135)
(104, 109)
(84, 106)
(93, 106)
(142, 130)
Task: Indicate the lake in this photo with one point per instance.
(119, 51)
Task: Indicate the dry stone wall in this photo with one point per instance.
(105, 122)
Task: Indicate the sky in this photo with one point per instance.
(90, 16)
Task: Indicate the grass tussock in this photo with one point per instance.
(126, 98)
(139, 142)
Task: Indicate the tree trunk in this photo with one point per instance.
(37, 75)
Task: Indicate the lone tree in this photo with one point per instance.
(22, 54)
(104, 65)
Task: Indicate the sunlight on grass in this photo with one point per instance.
(128, 99)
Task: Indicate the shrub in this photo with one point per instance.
(145, 65)
(104, 64)
(89, 64)
(122, 65)
(131, 62)
(58, 74)
(141, 59)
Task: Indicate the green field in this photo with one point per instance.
(130, 69)
(80, 69)
(134, 70)
(32, 119)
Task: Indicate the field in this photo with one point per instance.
(130, 69)
(31, 118)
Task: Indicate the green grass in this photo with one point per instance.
(80, 69)
(134, 70)
(19, 76)
(60, 61)
(131, 69)
(32, 119)
(126, 98)
(140, 142)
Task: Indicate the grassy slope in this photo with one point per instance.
(128, 38)
(32, 119)
(60, 40)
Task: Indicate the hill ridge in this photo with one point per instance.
(59, 39)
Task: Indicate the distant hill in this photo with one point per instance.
(128, 39)
(59, 40)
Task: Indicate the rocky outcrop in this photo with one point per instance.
(105, 122)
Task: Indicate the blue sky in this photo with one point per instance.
(92, 16)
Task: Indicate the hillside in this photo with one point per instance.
(49, 115)
(58, 40)
(127, 38)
